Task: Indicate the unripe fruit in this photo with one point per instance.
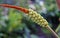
(37, 18)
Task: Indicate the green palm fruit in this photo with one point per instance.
(37, 18)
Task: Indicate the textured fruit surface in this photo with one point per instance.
(37, 18)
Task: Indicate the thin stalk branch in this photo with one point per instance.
(49, 28)
(57, 29)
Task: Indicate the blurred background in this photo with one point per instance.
(15, 24)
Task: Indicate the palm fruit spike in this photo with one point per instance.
(37, 18)
(34, 16)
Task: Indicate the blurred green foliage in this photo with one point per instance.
(15, 19)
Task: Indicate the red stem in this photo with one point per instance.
(58, 3)
(15, 7)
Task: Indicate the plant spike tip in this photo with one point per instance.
(15, 7)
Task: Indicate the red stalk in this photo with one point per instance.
(58, 3)
(15, 7)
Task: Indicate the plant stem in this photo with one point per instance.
(49, 28)
(57, 28)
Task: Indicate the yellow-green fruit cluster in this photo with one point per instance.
(37, 18)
